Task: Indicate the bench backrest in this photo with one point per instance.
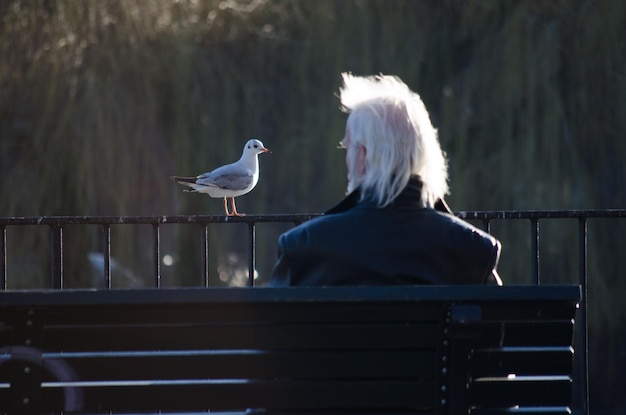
(448, 350)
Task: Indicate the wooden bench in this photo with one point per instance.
(342, 350)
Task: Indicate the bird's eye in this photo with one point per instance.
(256, 146)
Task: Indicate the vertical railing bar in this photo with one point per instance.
(157, 255)
(205, 254)
(487, 225)
(251, 253)
(107, 256)
(3, 258)
(534, 249)
(584, 332)
(56, 256)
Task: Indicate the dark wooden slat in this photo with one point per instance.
(272, 395)
(536, 391)
(521, 361)
(333, 336)
(417, 311)
(546, 309)
(518, 333)
(522, 411)
(262, 365)
(244, 313)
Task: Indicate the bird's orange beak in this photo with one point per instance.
(266, 150)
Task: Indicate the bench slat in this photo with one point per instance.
(521, 361)
(252, 365)
(528, 333)
(522, 411)
(253, 313)
(239, 336)
(269, 395)
(522, 391)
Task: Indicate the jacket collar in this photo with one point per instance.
(409, 198)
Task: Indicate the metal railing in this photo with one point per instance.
(57, 224)
(582, 217)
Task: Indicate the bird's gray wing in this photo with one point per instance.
(225, 180)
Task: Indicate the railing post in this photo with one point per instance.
(107, 256)
(251, 253)
(157, 255)
(3, 257)
(534, 249)
(205, 255)
(583, 328)
(487, 225)
(56, 256)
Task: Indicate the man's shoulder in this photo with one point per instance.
(326, 221)
(323, 231)
(454, 221)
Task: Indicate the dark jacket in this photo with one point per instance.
(357, 243)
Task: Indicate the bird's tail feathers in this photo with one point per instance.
(189, 181)
(182, 179)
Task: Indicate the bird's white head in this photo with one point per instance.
(254, 147)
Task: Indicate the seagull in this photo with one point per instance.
(231, 180)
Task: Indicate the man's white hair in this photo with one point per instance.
(393, 125)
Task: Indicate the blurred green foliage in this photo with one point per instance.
(101, 101)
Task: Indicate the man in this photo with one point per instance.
(394, 226)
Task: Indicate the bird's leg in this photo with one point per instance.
(226, 208)
(235, 213)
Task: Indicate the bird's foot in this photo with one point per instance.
(234, 209)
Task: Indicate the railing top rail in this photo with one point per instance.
(543, 214)
(151, 220)
(203, 219)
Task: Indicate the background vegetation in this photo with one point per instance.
(101, 101)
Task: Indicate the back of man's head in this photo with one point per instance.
(392, 123)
